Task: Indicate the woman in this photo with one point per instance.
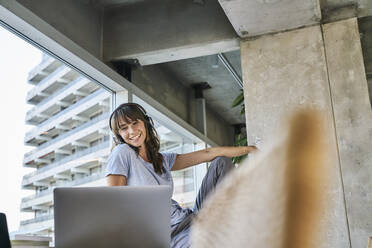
(136, 161)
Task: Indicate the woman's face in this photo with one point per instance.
(133, 133)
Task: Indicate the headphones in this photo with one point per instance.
(148, 119)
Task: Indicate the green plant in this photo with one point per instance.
(241, 138)
(239, 100)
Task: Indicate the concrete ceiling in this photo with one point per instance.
(181, 38)
(224, 89)
(252, 18)
(363, 7)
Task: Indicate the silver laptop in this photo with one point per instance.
(112, 217)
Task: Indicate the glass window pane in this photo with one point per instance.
(66, 141)
(184, 185)
(69, 135)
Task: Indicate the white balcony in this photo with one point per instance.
(45, 198)
(40, 225)
(64, 143)
(80, 162)
(42, 70)
(49, 85)
(57, 121)
(37, 225)
(41, 199)
(62, 98)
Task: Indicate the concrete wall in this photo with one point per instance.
(321, 67)
(353, 119)
(284, 72)
(80, 22)
(165, 89)
(218, 129)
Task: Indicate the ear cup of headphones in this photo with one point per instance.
(149, 119)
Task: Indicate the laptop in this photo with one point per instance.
(126, 216)
(4, 234)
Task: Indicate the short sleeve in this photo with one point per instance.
(168, 160)
(119, 161)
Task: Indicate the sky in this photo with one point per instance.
(17, 58)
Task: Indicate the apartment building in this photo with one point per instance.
(71, 141)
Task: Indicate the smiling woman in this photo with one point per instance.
(136, 160)
(131, 125)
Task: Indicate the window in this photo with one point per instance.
(67, 141)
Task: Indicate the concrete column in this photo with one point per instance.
(200, 107)
(201, 124)
(201, 169)
(282, 73)
(200, 112)
(353, 122)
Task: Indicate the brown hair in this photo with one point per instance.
(129, 112)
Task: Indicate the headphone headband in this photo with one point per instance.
(129, 104)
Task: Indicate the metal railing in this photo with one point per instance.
(73, 183)
(44, 63)
(29, 135)
(43, 82)
(67, 134)
(67, 159)
(38, 219)
(54, 95)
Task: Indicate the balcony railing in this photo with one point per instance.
(44, 63)
(46, 80)
(37, 219)
(54, 95)
(69, 133)
(29, 135)
(73, 183)
(75, 156)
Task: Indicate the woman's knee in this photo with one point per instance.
(222, 164)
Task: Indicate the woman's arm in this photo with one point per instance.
(116, 180)
(193, 158)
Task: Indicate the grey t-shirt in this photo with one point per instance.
(123, 160)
